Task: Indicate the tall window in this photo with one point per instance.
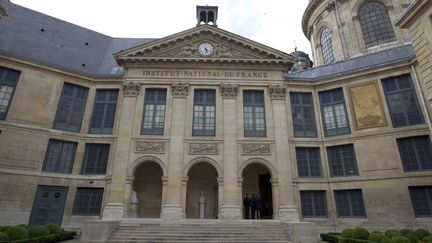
(327, 46)
(154, 112)
(308, 162)
(95, 158)
(334, 113)
(349, 203)
(254, 113)
(342, 161)
(70, 110)
(59, 156)
(303, 115)
(375, 24)
(8, 81)
(313, 204)
(416, 153)
(104, 111)
(402, 101)
(88, 201)
(204, 113)
(421, 199)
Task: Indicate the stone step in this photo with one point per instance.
(117, 236)
(200, 241)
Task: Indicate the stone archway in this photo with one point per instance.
(257, 184)
(148, 187)
(202, 178)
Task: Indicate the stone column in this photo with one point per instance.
(183, 193)
(220, 181)
(231, 209)
(164, 190)
(172, 209)
(287, 210)
(115, 207)
(275, 195)
(127, 195)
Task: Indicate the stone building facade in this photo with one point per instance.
(144, 133)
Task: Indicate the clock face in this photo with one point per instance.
(205, 49)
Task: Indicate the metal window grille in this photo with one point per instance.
(334, 113)
(70, 110)
(308, 162)
(104, 111)
(254, 113)
(204, 113)
(327, 46)
(416, 153)
(154, 112)
(342, 161)
(375, 24)
(313, 204)
(421, 199)
(95, 158)
(303, 116)
(349, 203)
(8, 81)
(59, 156)
(402, 101)
(88, 201)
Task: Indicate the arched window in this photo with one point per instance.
(375, 24)
(327, 46)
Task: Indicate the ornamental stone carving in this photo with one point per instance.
(150, 147)
(229, 90)
(131, 88)
(277, 91)
(203, 148)
(256, 148)
(180, 89)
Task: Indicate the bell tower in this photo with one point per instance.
(206, 15)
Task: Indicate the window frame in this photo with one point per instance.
(414, 145)
(303, 106)
(9, 78)
(428, 190)
(67, 125)
(308, 151)
(254, 104)
(314, 194)
(155, 102)
(338, 131)
(98, 164)
(341, 157)
(88, 207)
(205, 104)
(67, 169)
(327, 48)
(350, 203)
(105, 103)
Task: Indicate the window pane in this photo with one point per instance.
(59, 156)
(308, 162)
(313, 203)
(95, 158)
(154, 112)
(104, 110)
(8, 81)
(70, 110)
(416, 153)
(254, 114)
(204, 113)
(303, 115)
(349, 203)
(421, 199)
(88, 201)
(334, 112)
(342, 161)
(327, 46)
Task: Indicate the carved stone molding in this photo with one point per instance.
(203, 148)
(131, 88)
(256, 148)
(150, 147)
(191, 51)
(180, 90)
(229, 90)
(277, 91)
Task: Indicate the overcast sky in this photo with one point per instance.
(276, 23)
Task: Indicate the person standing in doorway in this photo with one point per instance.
(246, 205)
(253, 205)
(259, 207)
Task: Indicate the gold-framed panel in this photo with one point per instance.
(366, 105)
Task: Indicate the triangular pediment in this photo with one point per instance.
(184, 46)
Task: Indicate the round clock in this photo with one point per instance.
(205, 49)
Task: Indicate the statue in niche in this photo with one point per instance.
(201, 205)
(133, 205)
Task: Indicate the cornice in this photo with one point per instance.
(412, 13)
(307, 14)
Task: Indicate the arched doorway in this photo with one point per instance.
(148, 188)
(257, 186)
(202, 184)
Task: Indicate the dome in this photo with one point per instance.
(298, 54)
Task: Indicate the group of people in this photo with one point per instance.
(253, 206)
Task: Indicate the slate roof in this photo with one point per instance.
(354, 65)
(34, 36)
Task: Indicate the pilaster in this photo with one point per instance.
(231, 209)
(286, 209)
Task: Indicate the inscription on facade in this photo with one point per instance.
(152, 73)
(256, 148)
(150, 147)
(203, 148)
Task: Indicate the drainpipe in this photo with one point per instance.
(340, 28)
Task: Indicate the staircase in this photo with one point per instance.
(197, 231)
